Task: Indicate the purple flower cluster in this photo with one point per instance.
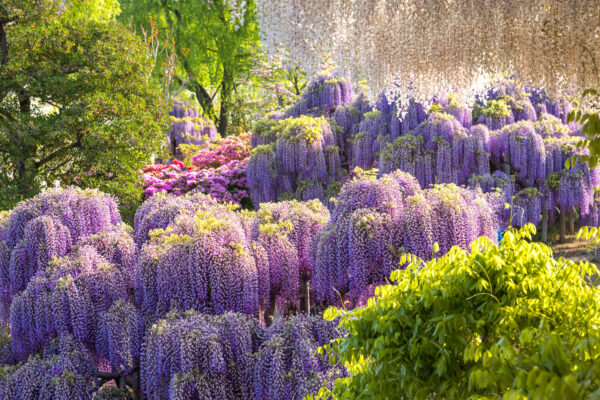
(196, 253)
(64, 371)
(230, 356)
(439, 150)
(378, 220)
(66, 299)
(301, 161)
(323, 94)
(347, 120)
(47, 226)
(187, 127)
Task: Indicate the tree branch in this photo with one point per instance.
(55, 154)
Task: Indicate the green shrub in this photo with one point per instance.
(504, 321)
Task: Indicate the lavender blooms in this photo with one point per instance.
(306, 220)
(202, 261)
(527, 207)
(187, 127)
(496, 114)
(302, 161)
(212, 258)
(285, 364)
(66, 300)
(161, 210)
(46, 226)
(322, 96)
(192, 355)
(520, 146)
(64, 371)
(378, 220)
(119, 340)
(368, 141)
(498, 189)
(439, 150)
(199, 356)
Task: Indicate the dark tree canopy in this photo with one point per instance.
(76, 103)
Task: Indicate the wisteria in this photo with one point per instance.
(301, 162)
(231, 356)
(196, 253)
(187, 127)
(64, 371)
(209, 297)
(47, 226)
(66, 300)
(377, 220)
(322, 96)
(202, 261)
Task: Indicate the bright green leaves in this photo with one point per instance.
(590, 130)
(92, 10)
(506, 321)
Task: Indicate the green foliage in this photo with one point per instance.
(214, 42)
(502, 321)
(590, 130)
(76, 106)
(97, 10)
(493, 107)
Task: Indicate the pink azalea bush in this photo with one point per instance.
(218, 169)
(222, 151)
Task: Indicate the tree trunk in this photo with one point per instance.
(270, 312)
(305, 295)
(3, 44)
(226, 91)
(545, 225)
(206, 102)
(572, 221)
(134, 382)
(507, 169)
(563, 223)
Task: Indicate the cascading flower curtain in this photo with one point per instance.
(433, 44)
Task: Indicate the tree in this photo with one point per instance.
(214, 42)
(76, 104)
(507, 321)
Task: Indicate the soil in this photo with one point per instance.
(576, 250)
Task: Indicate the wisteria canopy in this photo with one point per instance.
(431, 44)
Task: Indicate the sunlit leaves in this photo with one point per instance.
(503, 321)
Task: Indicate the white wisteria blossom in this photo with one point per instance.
(441, 44)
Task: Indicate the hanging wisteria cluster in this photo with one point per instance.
(433, 45)
(322, 96)
(294, 157)
(378, 220)
(519, 131)
(67, 299)
(198, 254)
(48, 226)
(231, 356)
(64, 371)
(187, 127)
(103, 300)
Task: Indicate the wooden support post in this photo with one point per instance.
(270, 312)
(563, 224)
(545, 225)
(572, 221)
(305, 295)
